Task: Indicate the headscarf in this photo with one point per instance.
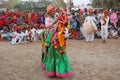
(82, 11)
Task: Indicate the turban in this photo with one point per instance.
(51, 8)
(90, 10)
(82, 11)
(105, 11)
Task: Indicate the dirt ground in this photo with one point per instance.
(89, 61)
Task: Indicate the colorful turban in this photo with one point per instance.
(105, 11)
(51, 8)
(18, 28)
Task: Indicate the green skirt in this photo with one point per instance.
(57, 64)
(44, 59)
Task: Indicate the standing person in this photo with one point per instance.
(100, 14)
(46, 34)
(114, 18)
(82, 17)
(74, 27)
(57, 61)
(104, 25)
(73, 23)
(81, 20)
(90, 18)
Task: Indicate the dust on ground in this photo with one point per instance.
(89, 61)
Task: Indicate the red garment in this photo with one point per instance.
(74, 36)
(18, 29)
(32, 17)
(1, 22)
(36, 26)
(62, 21)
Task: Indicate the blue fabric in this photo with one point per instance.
(19, 19)
(7, 35)
(73, 23)
(41, 22)
(77, 19)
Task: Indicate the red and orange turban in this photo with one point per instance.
(51, 8)
(18, 28)
(105, 11)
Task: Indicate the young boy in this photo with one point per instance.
(3, 34)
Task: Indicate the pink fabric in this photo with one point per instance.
(70, 17)
(82, 11)
(43, 66)
(48, 22)
(113, 17)
(58, 74)
(6, 19)
(50, 74)
(64, 75)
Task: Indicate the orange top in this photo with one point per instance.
(61, 28)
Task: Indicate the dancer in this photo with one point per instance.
(104, 25)
(49, 24)
(57, 63)
(90, 18)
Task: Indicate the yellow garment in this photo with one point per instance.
(61, 28)
(69, 26)
(61, 38)
(43, 44)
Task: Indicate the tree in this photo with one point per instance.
(29, 5)
(40, 6)
(60, 3)
(105, 3)
(12, 3)
(25, 6)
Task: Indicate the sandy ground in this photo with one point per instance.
(89, 61)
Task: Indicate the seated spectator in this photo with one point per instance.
(14, 35)
(98, 34)
(3, 35)
(113, 34)
(73, 23)
(42, 21)
(8, 35)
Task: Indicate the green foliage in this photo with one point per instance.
(105, 3)
(60, 3)
(25, 6)
(41, 6)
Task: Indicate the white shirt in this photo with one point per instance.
(107, 21)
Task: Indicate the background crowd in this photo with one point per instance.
(22, 27)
